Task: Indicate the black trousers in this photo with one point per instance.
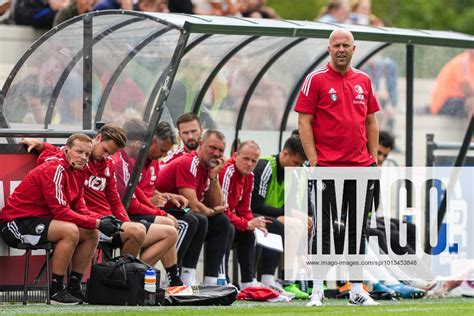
(329, 217)
(218, 239)
(191, 254)
(190, 236)
(244, 241)
(347, 221)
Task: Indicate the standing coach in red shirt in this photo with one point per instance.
(336, 120)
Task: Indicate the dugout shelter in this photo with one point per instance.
(240, 75)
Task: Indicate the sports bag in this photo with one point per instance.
(120, 281)
(200, 295)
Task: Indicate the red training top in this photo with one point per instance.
(237, 190)
(148, 177)
(51, 190)
(100, 192)
(174, 154)
(140, 205)
(184, 172)
(340, 104)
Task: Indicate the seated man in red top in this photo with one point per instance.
(196, 176)
(236, 179)
(101, 197)
(48, 206)
(190, 132)
(190, 234)
(141, 209)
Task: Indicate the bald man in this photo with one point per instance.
(336, 120)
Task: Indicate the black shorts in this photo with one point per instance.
(32, 231)
(146, 220)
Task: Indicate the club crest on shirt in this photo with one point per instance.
(332, 94)
(358, 89)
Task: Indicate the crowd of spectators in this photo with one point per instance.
(45, 14)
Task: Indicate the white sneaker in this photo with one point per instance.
(277, 287)
(316, 299)
(361, 298)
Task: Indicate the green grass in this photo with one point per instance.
(448, 306)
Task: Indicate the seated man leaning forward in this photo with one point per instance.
(101, 197)
(190, 233)
(48, 206)
(195, 175)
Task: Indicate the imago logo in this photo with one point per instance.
(394, 216)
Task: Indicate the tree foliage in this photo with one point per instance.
(454, 15)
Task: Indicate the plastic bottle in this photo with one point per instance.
(150, 287)
(221, 280)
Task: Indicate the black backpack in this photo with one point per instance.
(120, 281)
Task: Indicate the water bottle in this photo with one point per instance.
(150, 287)
(221, 280)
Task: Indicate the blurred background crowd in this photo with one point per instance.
(48, 13)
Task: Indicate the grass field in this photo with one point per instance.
(448, 306)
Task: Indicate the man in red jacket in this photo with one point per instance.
(190, 232)
(48, 206)
(101, 197)
(195, 175)
(141, 209)
(236, 180)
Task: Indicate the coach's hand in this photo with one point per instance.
(109, 225)
(32, 143)
(178, 200)
(216, 168)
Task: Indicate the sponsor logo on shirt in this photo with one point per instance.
(96, 183)
(360, 99)
(358, 89)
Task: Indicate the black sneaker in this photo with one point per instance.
(77, 292)
(63, 297)
(175, 281)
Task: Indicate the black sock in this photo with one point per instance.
(74, 280)
(173, 277)
(56, 283)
